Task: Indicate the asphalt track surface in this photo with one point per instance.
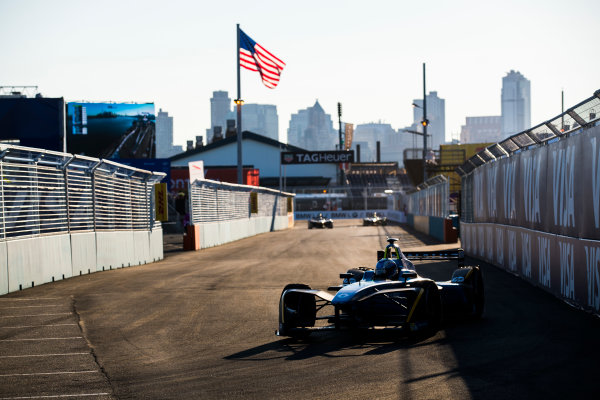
(200, 325)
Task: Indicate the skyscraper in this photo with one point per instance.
(164, 136)
(436, 114)
(392, 142)
(481, 130)
(312, 129)
(261, 119)
(220, 107)
(516, 103)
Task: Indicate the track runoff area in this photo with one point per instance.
(202, 325)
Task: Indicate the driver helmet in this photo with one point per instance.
(385, 269)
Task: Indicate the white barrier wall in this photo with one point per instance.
(51, 260)
(3, 269)
(155, 238)
(218, 233)
(57, 257)
(83, 253)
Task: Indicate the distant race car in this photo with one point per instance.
(320, 222)
(390, 295)
(374, 220)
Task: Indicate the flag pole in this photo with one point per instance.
(238, 103)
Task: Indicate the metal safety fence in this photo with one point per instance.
(584, 114)
(212, 201)
(44, 192)
(429, 198)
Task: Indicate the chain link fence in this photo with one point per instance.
(44, 192)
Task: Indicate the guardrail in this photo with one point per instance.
(427, 209)
(586, 113)
(223, 212)
(63, 215)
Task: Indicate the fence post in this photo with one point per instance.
(2, 192)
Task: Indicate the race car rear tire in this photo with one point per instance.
(472, 278)
(296, 311)
(478, 293)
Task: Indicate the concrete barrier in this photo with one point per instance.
(114, 250)
(62, 256)
(51, 261)
(83, 253)
(3, 269)
(218, 233)
(440, 228)
(565, 266)
(141, 248)
(155, 240)
(421, 223)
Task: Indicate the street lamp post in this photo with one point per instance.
(341, 171)
(424, 122)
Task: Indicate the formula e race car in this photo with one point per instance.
(391, 295)
(374, 220)
(320, 222)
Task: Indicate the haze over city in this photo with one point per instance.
(368, 56)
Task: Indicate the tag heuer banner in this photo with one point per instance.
(317, 157)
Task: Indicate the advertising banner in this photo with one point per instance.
(348, 134)
(563, 187)
(111, 130)
(196, 169)
(317, 157)
(34, 122)
(532, 200)
(567, 267)
(553, 188)
(160, 201)
(588, 175)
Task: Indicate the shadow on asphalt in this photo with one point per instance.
(335, 344)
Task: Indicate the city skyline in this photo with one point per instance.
(368, 57)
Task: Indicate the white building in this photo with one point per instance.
(487, 129)
(262, 153)
(436, 114)
(312, 129)
(516, 103)
(164, 136)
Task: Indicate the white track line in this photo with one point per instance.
(34, 339)
(50, 373)
(31, 299)
(46, 305)
(46, 355)
(58, 396)
(34, 315)
(34, 326)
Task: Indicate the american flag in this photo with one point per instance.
(256, 58)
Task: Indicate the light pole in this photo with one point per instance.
(341, 173)
(424, 122)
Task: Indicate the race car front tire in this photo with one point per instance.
(296, 311)
(428, 316)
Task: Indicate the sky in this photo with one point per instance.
(367, 55)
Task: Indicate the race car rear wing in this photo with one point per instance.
(434, 255)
